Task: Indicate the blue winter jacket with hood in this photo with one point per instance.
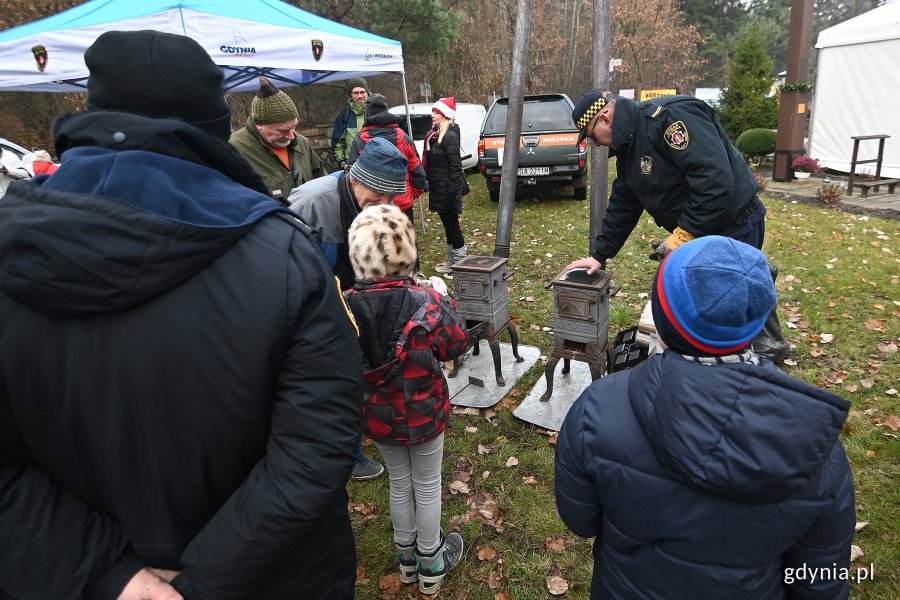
(170, 396)
(707, 481)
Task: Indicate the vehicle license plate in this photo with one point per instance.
(528, 171)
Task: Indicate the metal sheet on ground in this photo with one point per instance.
(566, 389)
(481, 369)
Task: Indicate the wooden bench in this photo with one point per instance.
(865, 185)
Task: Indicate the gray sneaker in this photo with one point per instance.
(368, 469)
(433, 568)
(406, 556)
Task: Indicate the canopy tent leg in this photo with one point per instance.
(409, 129)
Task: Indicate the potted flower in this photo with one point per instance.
(803, 166)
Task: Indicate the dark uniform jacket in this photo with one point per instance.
(707, 481)
(674, 160)
(305, 164)
(181, 381)
(384, 125)
(406, 332)
(443, 166)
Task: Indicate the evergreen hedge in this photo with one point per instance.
(756, 142)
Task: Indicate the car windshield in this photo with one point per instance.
(540, 113)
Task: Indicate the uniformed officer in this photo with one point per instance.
(673, 160)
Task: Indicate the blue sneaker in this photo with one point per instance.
(367, 469)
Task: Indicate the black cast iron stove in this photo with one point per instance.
(482, 298)
(580, 322)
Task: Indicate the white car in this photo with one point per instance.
(14, 148)
(469, 117)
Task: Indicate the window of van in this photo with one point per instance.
(539, 113)
(420, 125)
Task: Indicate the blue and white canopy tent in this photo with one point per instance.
(247, 38)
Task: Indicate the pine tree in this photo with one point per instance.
(744, 103)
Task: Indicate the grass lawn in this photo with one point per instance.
(839, 305)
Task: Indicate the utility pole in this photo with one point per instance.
(599, 155)
(513, 129)
(793, 102)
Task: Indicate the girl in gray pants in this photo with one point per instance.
(405, 332)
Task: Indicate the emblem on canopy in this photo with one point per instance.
(317, 49)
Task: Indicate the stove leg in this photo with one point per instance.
(514, 340)
(475, 347)
(495, 352)
(548, 375)
(456, 364)
(566, 364)
(596, 371)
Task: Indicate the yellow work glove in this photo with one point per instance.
(677, 238)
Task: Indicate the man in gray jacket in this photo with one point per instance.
(331, 203)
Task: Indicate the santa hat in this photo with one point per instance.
(446, 106)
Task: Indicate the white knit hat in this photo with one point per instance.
(382, 243)
(446, 106)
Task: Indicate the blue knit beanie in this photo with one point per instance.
(712, 296)
(381, 167)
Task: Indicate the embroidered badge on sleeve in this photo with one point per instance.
(676, 136)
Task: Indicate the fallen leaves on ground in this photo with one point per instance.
(887, 348)
(458, 487)
(486, 553)
(555, 544)
(874, 325)
(390, 584)
(361, 578)
(892, 422)
(512, 461)
(363, 508)
(497, 577)
(483, 507)
(556, 584)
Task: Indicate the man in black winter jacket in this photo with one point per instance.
(181, 384)
(674, 161)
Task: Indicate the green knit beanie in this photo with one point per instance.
(355, 82)
(271, 105)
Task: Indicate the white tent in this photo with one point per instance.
(247, 38)
(857, 91)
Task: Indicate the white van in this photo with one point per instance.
(469, 117)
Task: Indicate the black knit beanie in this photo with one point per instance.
(375, 105)
(157, 75)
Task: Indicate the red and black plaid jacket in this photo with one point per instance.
(405, 333)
